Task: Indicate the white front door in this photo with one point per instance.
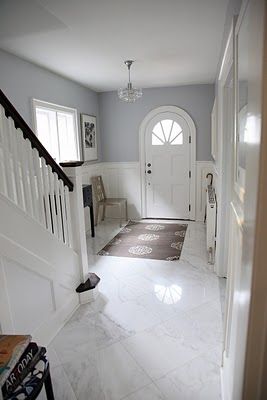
(167, 167)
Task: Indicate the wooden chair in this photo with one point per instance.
(102, 200)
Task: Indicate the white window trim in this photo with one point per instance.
(56, 107)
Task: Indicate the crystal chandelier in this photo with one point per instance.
(129, 94)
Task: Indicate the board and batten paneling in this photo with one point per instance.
(122, 179)
(38, 276)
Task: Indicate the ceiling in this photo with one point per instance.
(173, 42)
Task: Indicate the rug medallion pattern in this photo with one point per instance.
(158, 241)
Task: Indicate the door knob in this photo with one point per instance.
(149, 171)
(149, 164)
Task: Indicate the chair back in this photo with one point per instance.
(98, 188)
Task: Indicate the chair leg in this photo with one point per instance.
(96, 213)
(49, 387)
(103, 212)
(126, 211)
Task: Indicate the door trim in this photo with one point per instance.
(192, 129)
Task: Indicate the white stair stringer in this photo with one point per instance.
(38, 276)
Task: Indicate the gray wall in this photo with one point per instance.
(120, 121)
(21, 81)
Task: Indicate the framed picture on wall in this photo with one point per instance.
(89, 138)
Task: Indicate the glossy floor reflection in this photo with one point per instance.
(154, 332)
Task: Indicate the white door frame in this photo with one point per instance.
(142, 132)
(222, 164)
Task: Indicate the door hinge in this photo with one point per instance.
(189, 174)
(189, 207)
(189, 139)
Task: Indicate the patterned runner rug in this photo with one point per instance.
(159, 241)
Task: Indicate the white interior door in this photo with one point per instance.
(167, 158)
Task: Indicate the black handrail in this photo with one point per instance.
(19, 122)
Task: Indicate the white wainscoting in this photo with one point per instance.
(87, 172)
(232, 330)
(38, 276)
(122, 179)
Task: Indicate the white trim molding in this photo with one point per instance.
(122, 179)
(40, 266)
(192, 129)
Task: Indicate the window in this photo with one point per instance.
(57, 129)
(167, 131)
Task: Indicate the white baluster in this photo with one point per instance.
(6, 156)
(32, 179)
(25, 174)
(59, 208)
(15, 154)
(30, 183)
(52, 200)
(67, 197)
(37, 167)
(3, 184)
(64, 217)
(46, 195)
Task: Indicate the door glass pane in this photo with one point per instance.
(167, 131)
(156, 141)
(158, 131)
(167, 127)
(178, 139)
(176, 130)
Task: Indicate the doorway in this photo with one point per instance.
(167, 154)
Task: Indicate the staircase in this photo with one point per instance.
(40, 256)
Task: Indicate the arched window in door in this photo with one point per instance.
(167, 131)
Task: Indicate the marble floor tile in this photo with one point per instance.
(109, 374)
(207, 320)
(86, 333)
(158, 352)
(127, 287)
(132, 316)
(199, 379)
(150, 392)
(61, 386)
(153, 333)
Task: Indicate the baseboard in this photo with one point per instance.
(45, 333)
(224, 392)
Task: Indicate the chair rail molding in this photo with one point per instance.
(122, 179)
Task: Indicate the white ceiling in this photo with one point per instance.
(174, 42)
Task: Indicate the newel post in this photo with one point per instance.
(77, 219)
